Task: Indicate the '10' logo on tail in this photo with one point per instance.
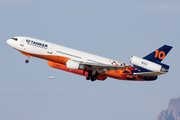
(160, 54)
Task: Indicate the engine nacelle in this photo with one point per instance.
(146, 64)
(74, 65)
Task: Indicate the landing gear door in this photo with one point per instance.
(22, 42)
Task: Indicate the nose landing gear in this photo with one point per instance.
(27, 61)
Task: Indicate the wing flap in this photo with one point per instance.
(103, 67)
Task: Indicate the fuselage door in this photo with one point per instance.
(22, 42)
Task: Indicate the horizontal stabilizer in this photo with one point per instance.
(149, 73)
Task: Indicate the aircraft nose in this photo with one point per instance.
(9, 42)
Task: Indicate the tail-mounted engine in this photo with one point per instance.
(149, 65)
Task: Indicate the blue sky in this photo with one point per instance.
(114, 29)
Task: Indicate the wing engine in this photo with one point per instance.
(74, 65)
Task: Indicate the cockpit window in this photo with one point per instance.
(15, 39)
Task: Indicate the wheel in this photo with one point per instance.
(27, 61)
(87, 78)
(93, 79)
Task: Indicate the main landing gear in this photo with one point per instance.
(91, 76)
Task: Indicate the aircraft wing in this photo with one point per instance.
(103, 67)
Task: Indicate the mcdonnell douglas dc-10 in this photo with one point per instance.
(92, 66)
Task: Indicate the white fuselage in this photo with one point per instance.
(39, 47)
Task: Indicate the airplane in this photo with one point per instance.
(91, 66)
(52, 77)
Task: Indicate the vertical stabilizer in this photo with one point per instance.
(159, 54)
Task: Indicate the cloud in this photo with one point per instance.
(156, 7)
(167, 7)
(15, 1)
(149, 101)
(142, 6)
